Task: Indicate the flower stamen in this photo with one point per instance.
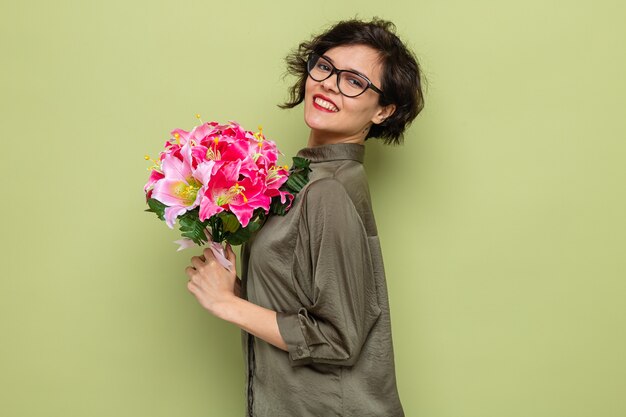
(156, 166)
(188, 191)
(231, 193)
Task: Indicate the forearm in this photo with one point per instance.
(254, 319)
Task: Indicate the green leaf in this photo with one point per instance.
(191, 227)
(239, 237)
(301, 163)
(244, 233)
(230, 223)
(255, 225)
(298, 176)
(156, 207)
(276, 207)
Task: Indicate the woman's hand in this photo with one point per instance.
(217, 289)
(214, 286)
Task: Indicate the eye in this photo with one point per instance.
(356, 82)
(323, 66)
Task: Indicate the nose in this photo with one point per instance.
(331, 83)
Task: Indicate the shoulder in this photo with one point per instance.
(329, 215)
(347, 178)
(352, 175)
(329, 186)
(325, 192)
(342, 193)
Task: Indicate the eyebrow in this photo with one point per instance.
(349, 69)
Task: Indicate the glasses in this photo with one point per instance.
(349, 83)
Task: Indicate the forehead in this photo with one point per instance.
(359, 58)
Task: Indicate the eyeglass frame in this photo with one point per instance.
(337, 71)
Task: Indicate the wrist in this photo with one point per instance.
(227, 308)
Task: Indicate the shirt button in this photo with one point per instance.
(299, 350)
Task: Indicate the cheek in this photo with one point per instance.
(308, 86)
(366, 109)
(307, 95)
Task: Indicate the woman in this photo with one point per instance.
(312, 301)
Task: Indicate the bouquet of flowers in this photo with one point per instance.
(220, 182)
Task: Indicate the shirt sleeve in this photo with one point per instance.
(334, 268)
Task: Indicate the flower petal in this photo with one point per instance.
(208, 208)
(171, 213)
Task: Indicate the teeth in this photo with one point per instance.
(325, 104)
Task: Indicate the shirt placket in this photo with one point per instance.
(251, 366)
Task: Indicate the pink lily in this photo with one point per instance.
(226, 192)
(275, 178)
(155, 176)
(180, 189)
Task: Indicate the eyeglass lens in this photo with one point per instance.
(349, 83)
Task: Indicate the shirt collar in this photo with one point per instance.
(334, 152)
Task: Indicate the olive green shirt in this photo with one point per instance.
(320, 267)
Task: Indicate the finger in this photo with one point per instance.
(190, 271)
(230, 254)
(197, 262)
(192, 287)
(208, 255)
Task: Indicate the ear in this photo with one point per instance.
(383, 113)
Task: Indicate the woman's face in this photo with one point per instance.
(335, 118)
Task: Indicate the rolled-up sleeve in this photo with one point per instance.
(333, 268)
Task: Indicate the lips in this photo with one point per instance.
(325, 104)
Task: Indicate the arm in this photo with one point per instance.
(336, 271)
(255, 320)
(216, 290)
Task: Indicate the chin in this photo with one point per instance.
(314, 123)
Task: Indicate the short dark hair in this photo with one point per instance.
(401, 80)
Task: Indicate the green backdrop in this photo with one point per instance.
(501, 218)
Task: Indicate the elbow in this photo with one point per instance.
(310, 340)
(338, 354)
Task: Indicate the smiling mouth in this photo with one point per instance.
(326, 105)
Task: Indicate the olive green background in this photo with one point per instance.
(502, 218)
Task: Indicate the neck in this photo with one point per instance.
(317, 138)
